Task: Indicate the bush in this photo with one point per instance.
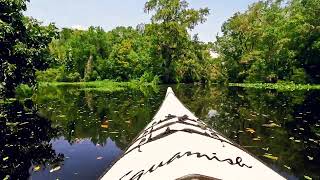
(24, 91)
(156, 80)
(57, 75)
(147, 77)
(92, 76)
(49, 75)
(73, 77)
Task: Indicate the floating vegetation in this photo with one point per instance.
(270, 156)
(26, 138)
(307, 177)
(277, 86)
(288, 167)
(56, 168)
(105, 124)
(100, 86)
(6, 177)
(114, 132)
(85, 121)
(36, 168)
(250, 130)
(310, 158)
(271, 125)
(258, 138)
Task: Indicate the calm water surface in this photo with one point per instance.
(67, 133)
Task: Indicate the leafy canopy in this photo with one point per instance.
(272, 41)
(172, 47)
(23, 46)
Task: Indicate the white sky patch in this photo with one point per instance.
(79, 27)
(109, 14)
(214, 54)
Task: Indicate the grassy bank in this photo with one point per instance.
(105, 85)
(277, 86)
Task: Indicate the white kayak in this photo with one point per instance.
(177, 145)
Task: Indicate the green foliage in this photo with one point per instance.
(173, 51)
(121, 54)
(147, 77)
(129, 56)
(24, 91)
(23, 46)
(72, 77)
(57, 74)
(272, 41)
(50, 75)
(162, 49)
(103, 86)
(282, 86)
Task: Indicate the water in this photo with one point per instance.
(78, 135)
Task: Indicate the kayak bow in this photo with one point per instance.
(177, 145)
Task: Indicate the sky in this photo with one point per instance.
(112, 13)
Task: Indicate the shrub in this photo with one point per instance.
(73, 77)
(24, 91)
(49, 75)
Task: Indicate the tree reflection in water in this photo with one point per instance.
(24, 140)
(281, 128)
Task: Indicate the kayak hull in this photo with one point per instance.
(176, 144)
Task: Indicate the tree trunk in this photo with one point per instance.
(88, 70)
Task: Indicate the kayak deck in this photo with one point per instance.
(176, 144)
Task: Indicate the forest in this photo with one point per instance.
(272, 41)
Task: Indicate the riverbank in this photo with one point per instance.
(277, 86)
(110, 86)
(104, 86)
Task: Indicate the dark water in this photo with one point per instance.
(77, 134)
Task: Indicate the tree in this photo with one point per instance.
(170, 39)
(23, 46)
(272, 41)
(163, 49)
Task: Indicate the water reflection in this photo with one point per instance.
(281, 128)
(93, 128)
(98, 116)
(24, 141)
